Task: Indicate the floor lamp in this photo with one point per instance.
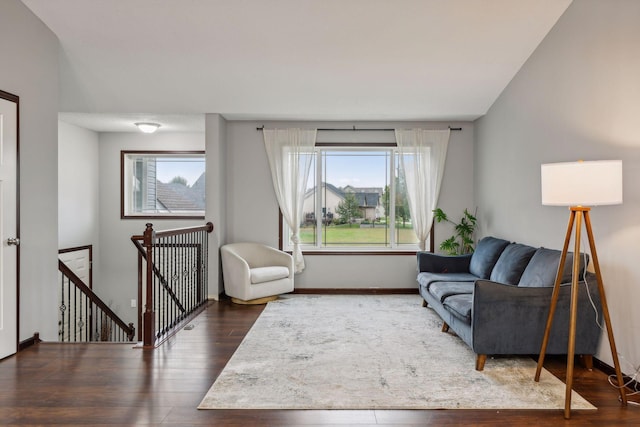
(580, 185)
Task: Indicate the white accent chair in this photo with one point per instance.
(254, 273)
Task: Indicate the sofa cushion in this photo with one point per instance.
(442, 290)
(268, 274)
(511, 264)
(487, 252)
(460, 306)
(541, 270)
(426, 279)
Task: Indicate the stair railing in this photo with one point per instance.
(84, 317)
(172, 279)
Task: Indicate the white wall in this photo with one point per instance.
(577, 97)
(252, 209)
(29, 52)
(117, 282)
(78, 186)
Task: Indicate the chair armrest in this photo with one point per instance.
(434, 263)
(235, 269)
(508, 319)
(275, 256)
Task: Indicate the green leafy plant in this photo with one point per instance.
(462, 241)
(348, 209)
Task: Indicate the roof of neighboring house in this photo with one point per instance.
(351, 189)
(369, 196)
(329, 187)
(367, 199)
(178, 197)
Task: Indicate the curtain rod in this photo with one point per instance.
(363, 129)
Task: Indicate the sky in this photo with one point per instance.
(191, 169)
(357, 169)
(342, 168)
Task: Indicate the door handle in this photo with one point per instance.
(13, 241)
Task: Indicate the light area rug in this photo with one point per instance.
(371, 352)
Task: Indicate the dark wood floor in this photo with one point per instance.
(114, 384)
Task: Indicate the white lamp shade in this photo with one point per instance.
(582, 183)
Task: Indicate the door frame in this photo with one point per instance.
(16, 99)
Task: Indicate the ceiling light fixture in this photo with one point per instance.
(147, 127)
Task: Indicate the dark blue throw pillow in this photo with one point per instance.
(486, 255)
(511, 264)
(543, 267)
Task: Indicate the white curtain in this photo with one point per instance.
(290, 153)
(422, 156)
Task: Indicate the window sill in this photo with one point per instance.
(194, 217)
(342, 252)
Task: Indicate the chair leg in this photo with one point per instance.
(445, 327)
(424, 303)
(480, 359)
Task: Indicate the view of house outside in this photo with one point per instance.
(355, 200)
(166, 184)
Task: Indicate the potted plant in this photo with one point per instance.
(462, 241)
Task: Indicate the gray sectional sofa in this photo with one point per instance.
(497, 299)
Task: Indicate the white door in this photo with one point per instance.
(79, 262)
(8, 225)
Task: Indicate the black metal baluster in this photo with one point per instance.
(187, 272)
(90, 321)
(61, 309)
(177, 249)
(75, 315)
(80, 322)
(205, 265)
(169, 288)
(192, 285)
(69, 308)
(199, 282)
(169, 302)
(157, 295)
(175, 287)
(87, 319)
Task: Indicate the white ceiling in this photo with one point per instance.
(291, 59)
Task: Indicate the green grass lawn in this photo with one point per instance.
(344, 235)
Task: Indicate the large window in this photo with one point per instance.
(356, 200)
(162, 184)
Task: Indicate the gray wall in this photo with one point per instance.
(577, 97)
(78, 184)
(216, 143)
(117, 282)
(252, 209)
(29, 52)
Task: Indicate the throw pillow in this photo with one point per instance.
(511, 264)
(543, 267)
(487, 252)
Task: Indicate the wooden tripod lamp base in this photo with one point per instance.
(579, 184)
(576, 218)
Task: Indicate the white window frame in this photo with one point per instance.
(318, 248)
(127, 184)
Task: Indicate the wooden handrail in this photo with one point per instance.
(67, 272)
(208, 227)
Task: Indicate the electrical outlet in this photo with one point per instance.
(133, 303)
